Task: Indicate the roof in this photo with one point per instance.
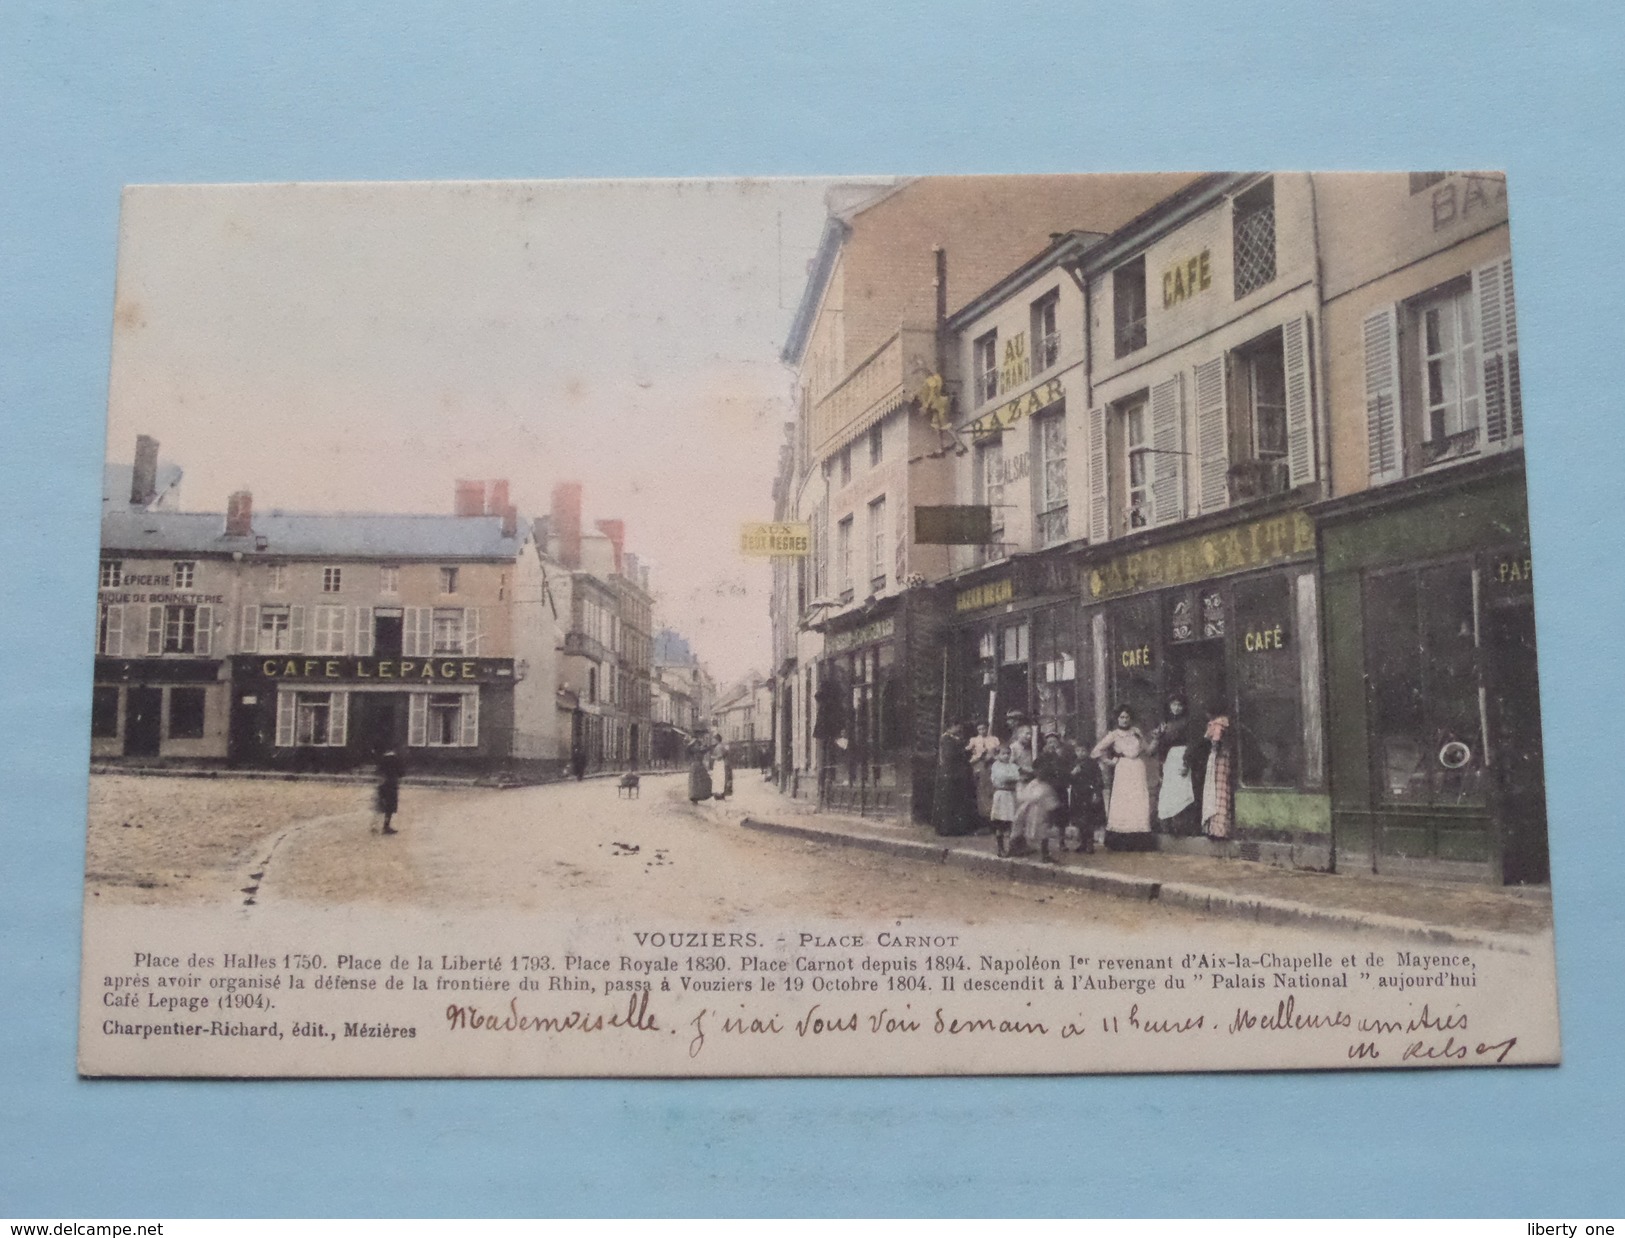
(1066, 248)
(331, 535)
(1163, 217)
(845, 203)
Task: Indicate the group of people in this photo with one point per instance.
(704, 754)
(1033, 791)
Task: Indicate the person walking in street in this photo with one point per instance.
(954, 806)
(1004, 776)
(981, 749)
(1128, 808)
(387, 797)
(1177, 810)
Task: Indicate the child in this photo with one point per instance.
(1005, 776)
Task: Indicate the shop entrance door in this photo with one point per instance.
(143, 719)
(377, 722)
(1198, 675)
(1515, 714)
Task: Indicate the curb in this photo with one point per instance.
(1205, 899)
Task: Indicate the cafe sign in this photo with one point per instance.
(1260, 543)
(408, 672)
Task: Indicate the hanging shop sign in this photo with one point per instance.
(963, 525)
(980, 597)
(767, 540)
(1260, 543)
(1029, 405)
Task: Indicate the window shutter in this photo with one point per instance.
(471, 721)
(1167, 475)
(363, 632)
(343, 625)
(338, 720)
(296, 629)
(1213, 435)
(1098, 506)
(1383, 457)
(1300, 410)
(1498, 337)
(472, 631)
(284, 719)
(115, 631)
(417, 719)
(155, 629)
(249, 638)
(410, 630)
(205, 629)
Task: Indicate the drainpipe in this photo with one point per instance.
(1323, 444)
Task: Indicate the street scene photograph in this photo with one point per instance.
(1028, 624)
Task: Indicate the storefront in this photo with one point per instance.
(337, 713)
(158, 708)
(1227, 618)
(1436, 754)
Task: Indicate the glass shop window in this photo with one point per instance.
(1269, 709)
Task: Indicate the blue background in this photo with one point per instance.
(93, 96)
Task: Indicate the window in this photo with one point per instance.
(1137, 465)
(314, 718)
(279, 578)
(110, 631)
(843, 558)
(1253, 224)
(1422, 666)
(112, 573)
(1268, 701)
(448, 580)
(878, 542)
(332, 579)
(1448, 346)
(986, 366)
(592, 685)
(185, 574)
(446, 719)
(846, 465)
(989, 492)
(1049, 435)
(1128, 306)
(389, 579)
(820, 553)
(1259, 444)
(186, 713)
(329, 629)
(449, 630)
(1046, 333)
(1015, 645)
(104, 712)
(180, 629)
(877, 443)
(276, 632)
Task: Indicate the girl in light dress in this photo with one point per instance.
(1005, 775)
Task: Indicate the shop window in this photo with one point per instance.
(1128, 306)
(985, 363)
(879, 544)
(1259, 435)
(1049, 436)
(1046, 332)
(452, 720)
(1136, 465)
(389, 579)
(1056, 669)
(448, 580)
(989, 493)
(1016, 644)
(1253, 227)
(112, 575)
(877, 443)
(332, 579)
(186, 712)
(1422, 666)
(312, 719)
(1269, 719)
(1134, 659)
(110, 631)
(104, 712)
(843, 558)
(276, 629)
(185, 572)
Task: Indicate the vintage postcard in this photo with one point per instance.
(935, 625)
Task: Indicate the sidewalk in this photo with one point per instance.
(1435, 911)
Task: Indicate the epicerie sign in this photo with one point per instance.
(775, 539)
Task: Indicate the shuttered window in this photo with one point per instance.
(1167, 451)
(110, 631)
(364, 632)
(329, 629)
(1099, 501)
(1384, 458)
(1212, 435)
(1498, 327)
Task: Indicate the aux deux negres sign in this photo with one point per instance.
(410, 672)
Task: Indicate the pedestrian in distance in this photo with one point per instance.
(1124, 751)
(387, 796)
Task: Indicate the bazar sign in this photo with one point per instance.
(775, 539)
(386, 670)
(880, 629)
(1029, 405)
(993, 593)
(1191, 559)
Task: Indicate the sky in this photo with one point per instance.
(360, 347)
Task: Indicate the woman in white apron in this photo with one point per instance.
(1177, 811)
(1128, 811)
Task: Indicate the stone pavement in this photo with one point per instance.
(1451, 912)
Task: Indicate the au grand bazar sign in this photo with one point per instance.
(409, 672)
(1238, 549)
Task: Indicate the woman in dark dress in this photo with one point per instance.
(699, 776)
(387, 798)
(954, 806)
(1178, 810)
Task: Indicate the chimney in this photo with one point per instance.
(566, 522)
(496, 498)
(615, 530)
(144, 476)
(240, 514)
(470, 500)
